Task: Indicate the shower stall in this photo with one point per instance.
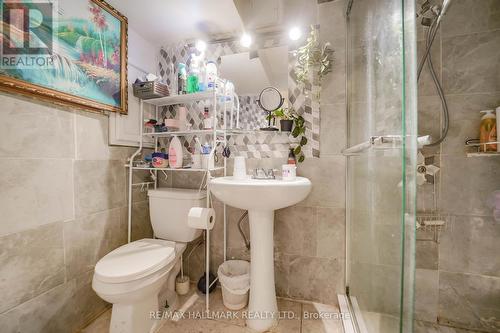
(381, 161)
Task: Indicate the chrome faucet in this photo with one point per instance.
(260, 173)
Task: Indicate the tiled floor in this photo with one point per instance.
(293, 323)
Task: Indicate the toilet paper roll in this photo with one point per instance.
(201, 218)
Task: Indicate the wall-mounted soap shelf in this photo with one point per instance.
(473, 147)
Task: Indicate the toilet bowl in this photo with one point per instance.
(130, 278)
(139, 278)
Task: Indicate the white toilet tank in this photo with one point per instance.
(169, 208)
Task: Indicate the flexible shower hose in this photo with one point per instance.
(427, 58)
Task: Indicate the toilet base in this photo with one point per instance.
(135, 317)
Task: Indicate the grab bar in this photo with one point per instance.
(381, 141)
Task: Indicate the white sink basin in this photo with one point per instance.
(261, 198)
(260, 194)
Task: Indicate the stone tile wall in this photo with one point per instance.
(63, 206)
(458, 277)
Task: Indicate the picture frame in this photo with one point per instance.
(86, 61)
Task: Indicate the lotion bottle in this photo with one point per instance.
(175, 153)
(488, 131)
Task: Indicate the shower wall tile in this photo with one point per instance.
(34, 193)
(333, 129)
(89, 238)
(288, 222)
(333, 84)
(316, 279)
(91, 136)
(377, 293)
(468, 63)
(330, 224)
(465, 119)
(141, 221)
(467, 183)
(65, 308)
(332, 23)
(333, 31)
(31, 262)
(31, 130)
(469, 301)
(281, 273)
(471, 246)
(471, 16)
(327, 175)
(99, 185)
(426, 85)
(187, 179)
(426, 294)
(427, 254)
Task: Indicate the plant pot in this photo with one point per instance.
(286, 125)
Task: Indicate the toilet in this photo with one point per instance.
(132, 276)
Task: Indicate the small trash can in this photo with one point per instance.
(234, 276)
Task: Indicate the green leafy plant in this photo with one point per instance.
(299, 130)
(313, 54)
(284, 114)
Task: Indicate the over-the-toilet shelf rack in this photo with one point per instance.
(218, 135)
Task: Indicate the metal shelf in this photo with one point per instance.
(210, 131)
(181, 99)
(175, 169)
(475, 144)
(490, 154)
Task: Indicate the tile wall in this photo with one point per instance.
(63, 206)
(458, 276)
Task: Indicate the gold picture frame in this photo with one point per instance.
(89, 66)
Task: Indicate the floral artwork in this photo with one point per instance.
(88, 57)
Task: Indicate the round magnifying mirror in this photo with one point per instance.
(270, 99)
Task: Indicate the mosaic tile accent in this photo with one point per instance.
(304, 99)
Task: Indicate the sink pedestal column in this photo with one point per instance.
(262, 306)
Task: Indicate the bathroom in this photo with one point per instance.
(136, 190)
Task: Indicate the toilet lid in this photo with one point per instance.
(134, 260)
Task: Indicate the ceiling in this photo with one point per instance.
(169, 21)
(252, 74)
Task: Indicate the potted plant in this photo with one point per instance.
(286, 119)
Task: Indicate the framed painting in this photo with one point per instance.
(68, 52)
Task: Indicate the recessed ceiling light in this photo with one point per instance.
(201, 45)
(295, 33)
(246, 40)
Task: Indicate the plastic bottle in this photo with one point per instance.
(202, 86)
(173, 80)
(182, 79)
(488, 131)
(175, 153)
(192, 79)
(211, 75)
(291, 157)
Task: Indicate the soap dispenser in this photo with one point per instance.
(488, 131)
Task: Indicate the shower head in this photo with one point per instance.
(444, 9)
(446, 5)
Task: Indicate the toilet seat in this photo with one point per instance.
(135, 260)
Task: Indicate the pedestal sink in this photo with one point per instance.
(261, 197)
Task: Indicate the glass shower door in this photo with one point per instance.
(382, 148)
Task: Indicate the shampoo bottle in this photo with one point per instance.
(488, 131)
(175, 153)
